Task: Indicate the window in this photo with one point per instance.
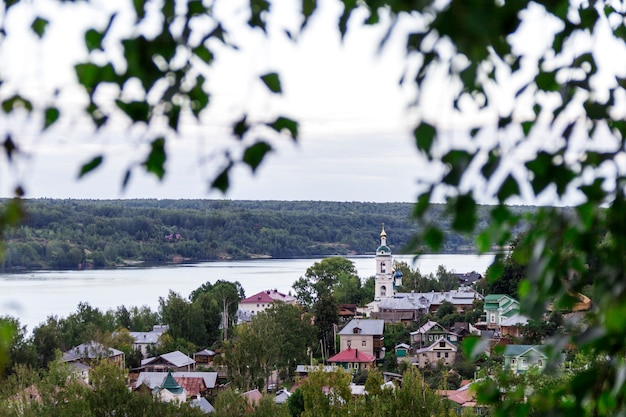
(430, 337)
(493, 318)
(350, 365)
(356, 330)
(382, 267)
(438, 354)
(383, 291)
(524, 363)
(364, 343)
(445, 354)
(442, 344)
(258, 305)
(513, 361)
(540, 362)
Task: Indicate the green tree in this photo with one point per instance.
(322, 278)
(251, 358)
(326, 313)
(446, 279)
(19, 350)
(47, 339)
(294, 333)
(333, 402)
(185, 319)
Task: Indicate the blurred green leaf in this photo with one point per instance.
(93, 40)
(90, 166)
(140, 10)
(284, 123)
(258, 10)
(508, 189)
(173, 116)
(155, 162)
(9, 147)
(138, 111)
(241, 127)
(424, 137)
(199, 98)
(51, 115)
(221, 182)
(254, 154)
(433, 237)
(203, 53)
(457, 162)
(464, 213)
(15, 102)
(39, 26)
(272, 81)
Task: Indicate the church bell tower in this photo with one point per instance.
(384, 269)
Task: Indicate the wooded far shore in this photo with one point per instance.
(71, 234)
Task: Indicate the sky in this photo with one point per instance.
(355, 141)
(354, 145)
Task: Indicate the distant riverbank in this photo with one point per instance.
(34, 295)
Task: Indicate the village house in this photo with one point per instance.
(364, 335)
(512, 326)
(172, 361)
(89, 352)
(462, 329)
(403, 304)
(204, 357)
(441, 351)
(431, 332)
(464, 398)
(145, 341)
(520, 358)
(195, 383)
(353, 360)
(497, 308)
(261, 301)
(170, 390)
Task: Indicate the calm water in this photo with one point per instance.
(34, 296)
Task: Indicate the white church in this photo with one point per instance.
(387, 278)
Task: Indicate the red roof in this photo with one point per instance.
(262, 297)
(192, 385)
(352, 355)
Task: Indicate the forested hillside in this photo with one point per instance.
(68, 234)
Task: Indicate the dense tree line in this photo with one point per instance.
(69, 234)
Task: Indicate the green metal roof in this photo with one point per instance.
(517, 350)
(170, 384)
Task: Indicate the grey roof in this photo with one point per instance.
(427, 327)
(155, 379)
(203, 404)
(436, 344)
(403, 303)
(368, 327)
(90, 350)
(149, 338)
(300, 369)
(175, 358)
(514, 320)
(462, 296)
(205, 352)
(282, 396)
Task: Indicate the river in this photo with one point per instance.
(33, 296)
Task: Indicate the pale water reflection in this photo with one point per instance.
(33, 296)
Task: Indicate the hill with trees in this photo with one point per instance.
(69, 234)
